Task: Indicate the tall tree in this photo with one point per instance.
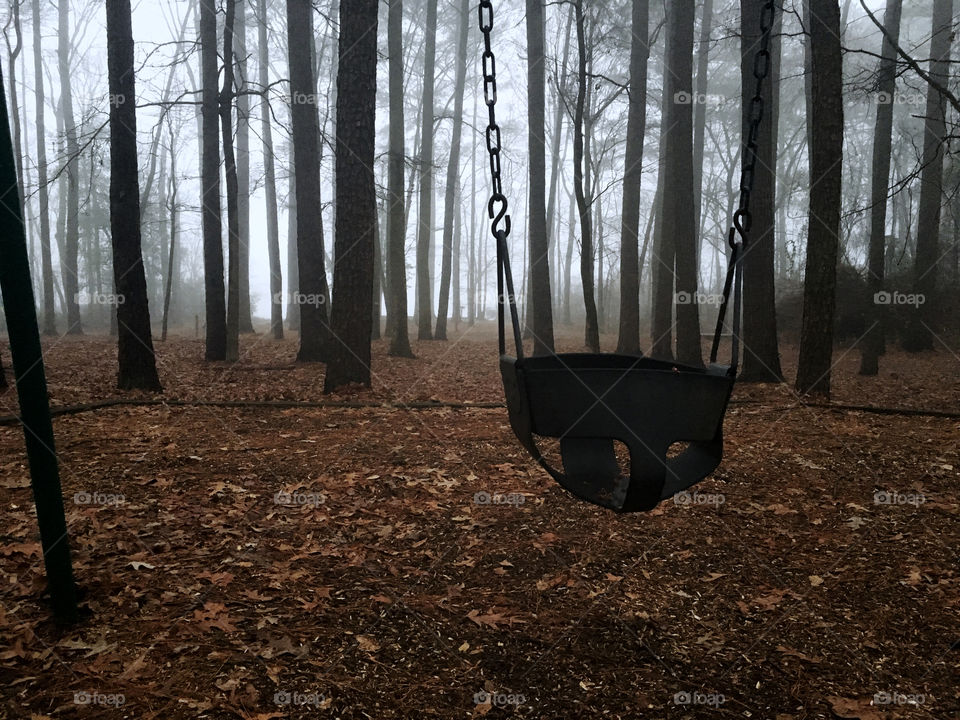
(172, 209)
(243, 165)
(43, 190)
(874, 343)
(230, 172)
(137, 363)
(452, 193)
(927, 316)
(270, 178)
(678, 178)
(591, 328)
(663, 258)
(425, 230)
(13, 96)
(761, 354)
(71, 245)
(397, 220)
(826, 127)
(356, 223)
(314, 328)
(216, 310)
(629, 340)
(541, 299)
(700, 108)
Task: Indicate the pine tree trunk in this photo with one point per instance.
(591, 329)
(761, 354)
(71, 245)
(137, 364)
(820, 279)
(452, 192)
(396, 225)
(629, 338)
(663, 260)
(230, 172)
(293, 265)
(171, 267)
(926, 318)
(216, 310)
(356, 216)
(315, 340)
(43, 189)
(700, 104)
(425, 229)
(243, 166)
(874, 342)
(270, 179)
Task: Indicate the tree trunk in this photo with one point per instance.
(452, 193)
(425, 230)
(761, 354)
(820, 279)
(678, 179)
(629, 339)
(375, 294)
(71, 245)
(926, 317)
(664, 250)
(137, 363)
(13, 53)
(172, 199)
(591, 330)
(556, 141)
(293, 265)
(230, 172)
(700, 106)
(43, 190)
(243, 166)
(874, 342)
(356, 214)
(314, 329)
(396, 225)
(540, 300)
(270, 179)
(216, 311)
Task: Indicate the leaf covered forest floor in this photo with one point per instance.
(815, 575)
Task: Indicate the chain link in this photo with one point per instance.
(497, 207)
(742, 219)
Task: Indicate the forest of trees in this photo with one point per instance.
(318, 166)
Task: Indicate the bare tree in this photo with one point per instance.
(397, 220)
(920, 329)
(826, 121)
(137, 363)
(71, 246)
(356, 222)
(43, 191)
(874, 342)
(243, 165)
(233, 190)
(216, 311)
(425, 231)
(270, 178)
(629, 340)
(452, 193)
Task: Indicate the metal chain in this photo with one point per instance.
(742, 219)
(497, 206)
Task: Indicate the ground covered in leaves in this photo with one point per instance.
(384, 562)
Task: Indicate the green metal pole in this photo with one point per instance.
(21, 314)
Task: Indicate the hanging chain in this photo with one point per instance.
(497, 206)
(742, 219)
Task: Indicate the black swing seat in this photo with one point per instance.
(588, 401)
